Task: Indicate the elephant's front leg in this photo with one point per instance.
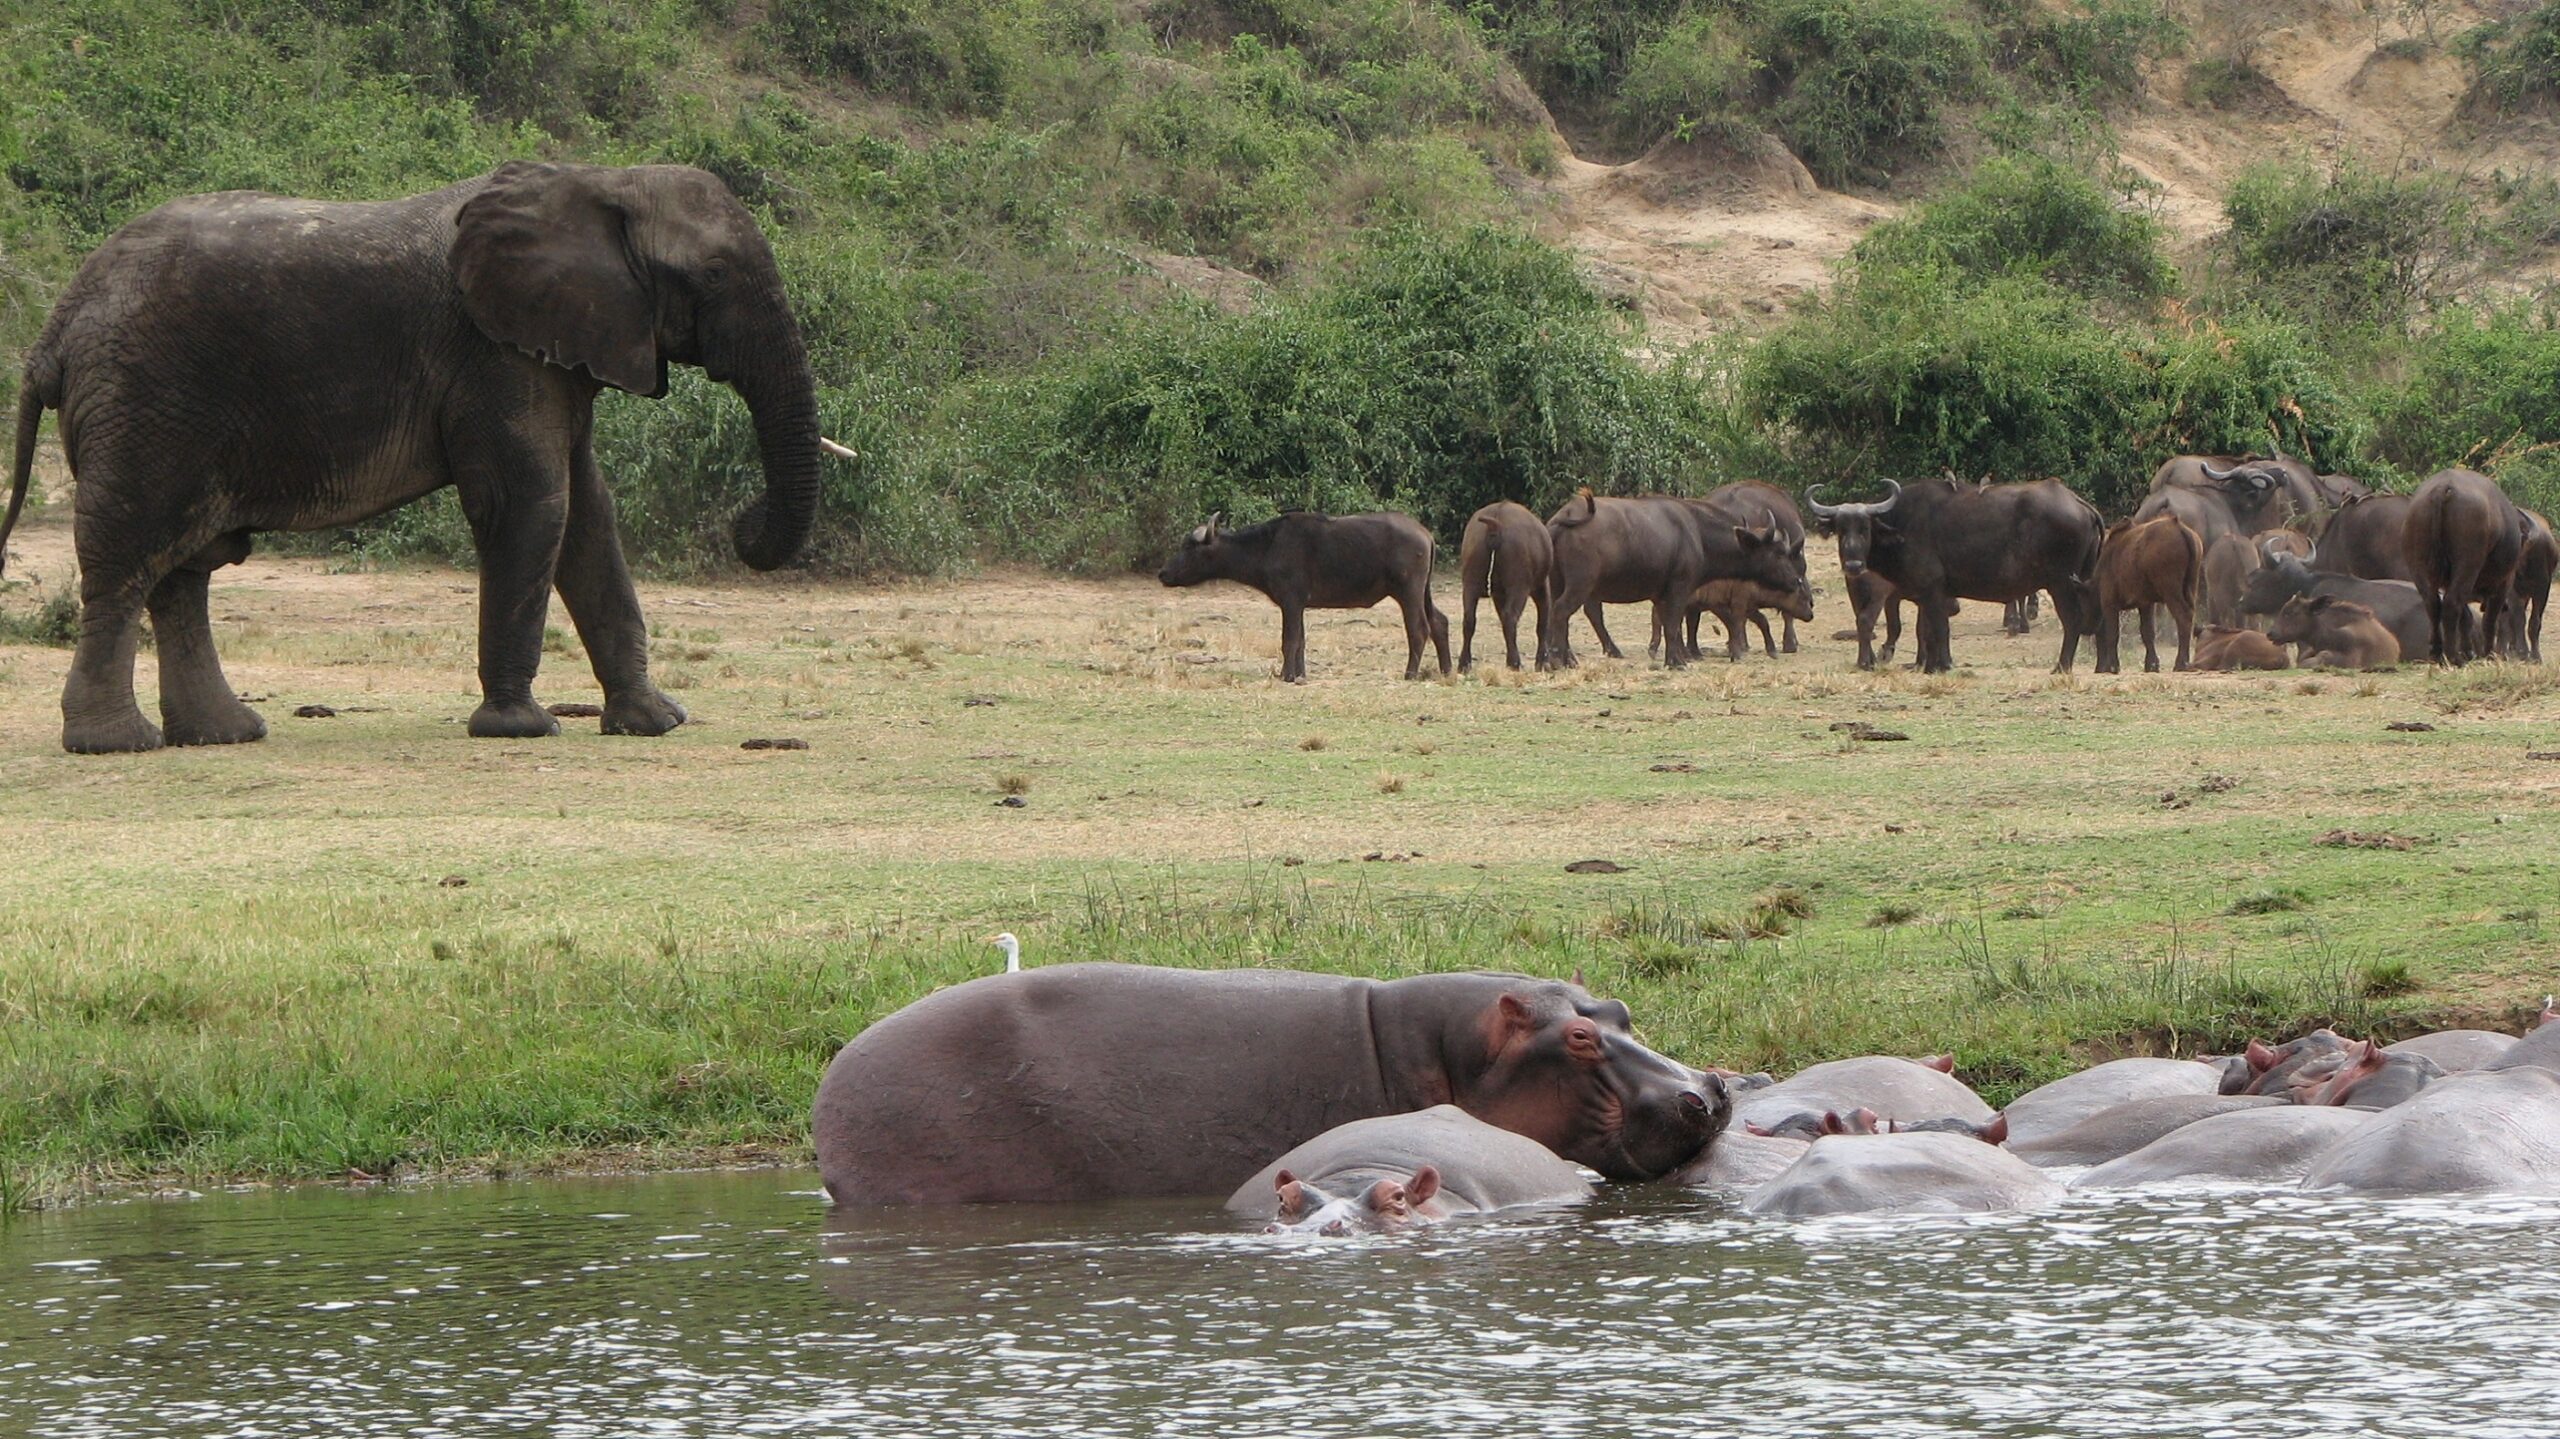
(197, 705)
(518, 514)
(596, 585)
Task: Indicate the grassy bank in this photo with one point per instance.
(371, 944)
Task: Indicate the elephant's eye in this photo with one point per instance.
(715, 273)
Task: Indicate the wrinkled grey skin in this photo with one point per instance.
(2273, 1145)
(2052, 1108)
(2117, 1132)
(2538, 1050)
(1894, 1088)
(2278, 1064)
(2489, 1129)
(1902, 1174)
(1480, 1168)
(2455, 1050)
(2367, 1077)
(238, 362)
(1739, 1162)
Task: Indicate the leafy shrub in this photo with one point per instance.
(1695, 76)
(2515, 61)
(1571, 50)
(2092, 52)
(1860, 86)
(2348, 246)
(937, 52)
(2482, 389)
(2030, 215)
(2225, 82)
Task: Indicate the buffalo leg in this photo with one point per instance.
(1937, 653)
(1467, 627)
(1507, 608)
(1438, 625)
(1293, 643)
(2185, 615)
(2150, 643)
(1600, 627)
(2107, 648)
(1768, 645)
(1788, 645)
(2072, 606)
(1666, 616)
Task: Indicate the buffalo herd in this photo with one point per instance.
(2260, 563)
(1368, 1104)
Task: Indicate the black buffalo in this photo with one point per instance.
(1940, 540)
(1324, 562)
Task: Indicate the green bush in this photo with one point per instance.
(937, 52)
(1862, 86)
(2348, 247)
(2092, 52)
(2480, 389)
(1695, 77)
(2030, 215)
(2515, 61)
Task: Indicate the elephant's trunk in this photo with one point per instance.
(776, 385)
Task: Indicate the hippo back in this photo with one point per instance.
(1481, 1167)
(2052, 1108)
(2119, 1131)
(2457, 1049)
(1894, 1088)
(2538, 1050)
(1902, 1174)
(2276, 1144)
(2489, 1129)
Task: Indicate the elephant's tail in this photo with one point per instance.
(34, 394)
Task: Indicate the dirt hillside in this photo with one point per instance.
(1701, 238)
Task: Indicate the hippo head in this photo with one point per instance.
(1564, 1069)
(1201, 558)
(1386, 1205)
(1855, 526)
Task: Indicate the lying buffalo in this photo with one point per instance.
(1401, 1169)
(1941, 540)
(2363, 539)
(2220, 647)
(2396, 605)
(1658, 549)
(2143, 563)
(2463, 540)
(1096, 1081)
(2331, 633)
(1506, 553)
(1305, 561)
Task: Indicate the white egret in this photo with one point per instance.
(1012, 948)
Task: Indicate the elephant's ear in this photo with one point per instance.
(545, 265)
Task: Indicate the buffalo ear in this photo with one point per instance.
(544, 261)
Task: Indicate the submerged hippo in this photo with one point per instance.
(1894, 1088)
(1398, 1169)
(2538, 1050)
(2052, 1108)
(2274, 1144)
(1739, 1162)
(2114, 1133)
(1933, 1173)
(2489, 1129)
(1096, 1081)
(2368, 1076)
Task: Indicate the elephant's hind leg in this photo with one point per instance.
(99, 715)
(197, 705)
(596, 586)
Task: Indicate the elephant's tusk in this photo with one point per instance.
(841, 452)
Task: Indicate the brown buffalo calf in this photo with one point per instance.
(1736, 603)
(2220, 647)
(2340, 634)
(1324, 562)
(2141, 563)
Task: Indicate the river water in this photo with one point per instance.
(737, 1304)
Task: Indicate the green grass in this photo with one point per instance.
(250, 962)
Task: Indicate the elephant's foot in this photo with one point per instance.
(644, 711)
(512, 719)
(127, 733)
(226, 722)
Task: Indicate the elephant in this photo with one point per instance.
(1903, 1174)
(1099, 1081)
(2052, 1108)
(239, 362)
(1395, 1170)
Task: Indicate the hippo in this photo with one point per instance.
(2366, 1076)
(2455, 1050)
(2052, 1108)
(1893, 1088)
(1902, 1174)
(1099, 1081)
(2276, 1064)
(1740, 1162)
(2538, 1050)
(2488, 1129)
(1400, 1169)
(2114, 1133)
(2272, 1144)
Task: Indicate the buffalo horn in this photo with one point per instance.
(2211, 473)
(1820, 510)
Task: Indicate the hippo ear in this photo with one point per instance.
(1426, 1182)
(1293, 1195)
(1943, 1063)
(1750, 1128)
(1996, 1132)
(2261, 1058)
(1512, 1021)
(1578, 981)
(1582, 1041)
